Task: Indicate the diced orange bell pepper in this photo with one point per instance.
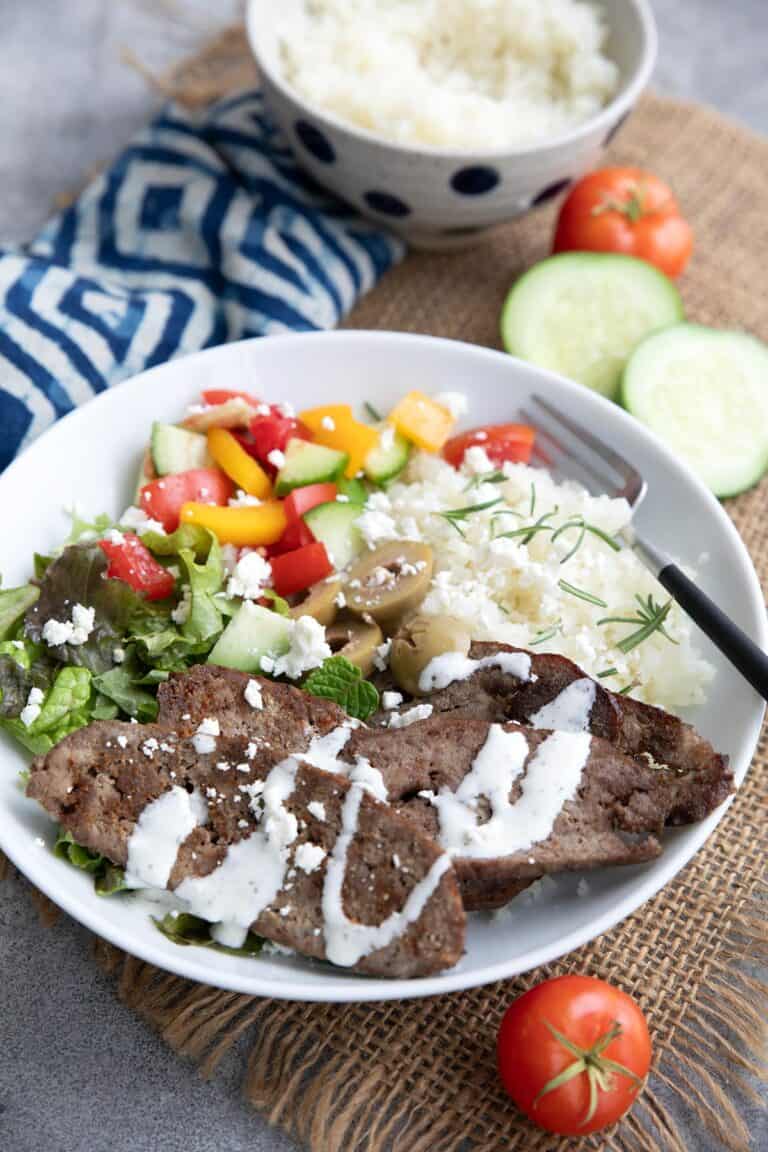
(422, 421)
(248, 526)
(335, 427)
(233, 459)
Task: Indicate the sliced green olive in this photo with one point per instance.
(420, 640)
(355, 639)
(390, 582)
(318, 601)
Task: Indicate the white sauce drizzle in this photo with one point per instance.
(570, 710)
(552, 779)
(160, 830)
(452, 666)
(253, 870)
(346, 941)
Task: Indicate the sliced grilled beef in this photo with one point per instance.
(97, 782)
(621, 807)
(635, 728)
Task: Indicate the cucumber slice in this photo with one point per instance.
(582, 313)
(333, 524)
(307, 463)
(388, 458)
(353, 488)
(253, 632)
(705, 394)
(177, 449)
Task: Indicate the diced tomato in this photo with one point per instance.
(163, 498)
(300, 500)
(502, 442)
(133, 563)
(295, 571)
(296, 535)
(214, 396)
(271, 431)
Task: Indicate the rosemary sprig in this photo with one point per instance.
(581, 594)
(454, 515)
(583, 527)
(650, 617)
(545, 634)
(485, 478)
(528, 531)
(606, 672)
(372, 412)
(628, 688)
(532, 508)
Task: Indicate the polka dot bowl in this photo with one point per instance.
(439, 197)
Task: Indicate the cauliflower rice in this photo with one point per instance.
(509, 591)
(452, 73)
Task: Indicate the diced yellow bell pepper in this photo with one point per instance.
(422, 421)
(248, 526)
(233, 459)
(335, 427)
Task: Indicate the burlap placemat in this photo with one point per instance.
(419, 1076)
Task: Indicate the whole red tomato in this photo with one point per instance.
(625, 210)
(573, 1053)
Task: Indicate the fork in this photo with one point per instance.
(571, 448)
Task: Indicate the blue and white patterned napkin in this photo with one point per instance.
(204, 230)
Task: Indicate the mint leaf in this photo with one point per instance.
(338, 679)
(185, 929)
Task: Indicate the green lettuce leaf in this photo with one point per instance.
(185, 929)
(14, 603)
(107, 877)
(188, 537)
(109, 881)
(205, 620)
(65, 708)
(279, 605)
(120, 685)
(338, 679)
(87, 529)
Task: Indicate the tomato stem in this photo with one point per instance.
(598, 1068)
(633, 207)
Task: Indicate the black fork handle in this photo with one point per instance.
(732, 641)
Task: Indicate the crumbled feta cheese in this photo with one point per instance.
(286, 409)
(137, 519)
(250, 751)
(403, 719)
(243, 499)
(328, 423)
(381, 656)
(243, 823)
(253, 695)
(267, 665)
(395, 859)
(118, 655)
(263, 409)
(457, 403)
(375, 522)
(476, 461)
(316, 809)
(276, 458)
(114, 536)
(342, 498)
(340, 600)
(228, 558)
(309, 857)
(391, 700)
(149, 747)
(180, 613)
(32, 708)
(122, 741)
(74, 631)
(17, 644)
(251, 575)
(204, 739)
(308, 648)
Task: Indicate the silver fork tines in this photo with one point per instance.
(627, 481)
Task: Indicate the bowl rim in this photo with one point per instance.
(608, 115)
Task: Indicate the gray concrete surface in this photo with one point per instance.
(78, 1072)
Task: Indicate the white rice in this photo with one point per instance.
(452, 73)
(506, 590)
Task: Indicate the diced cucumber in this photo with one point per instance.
(307, 463)
(177, 449)
(353, 488)
(705, 394)
(582, 313)
(333, 524)
(388, 458)
(253, 632)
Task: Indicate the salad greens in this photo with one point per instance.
(107, 877)
(184, 928)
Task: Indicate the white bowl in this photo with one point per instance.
(92, 456)
(438, 197)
